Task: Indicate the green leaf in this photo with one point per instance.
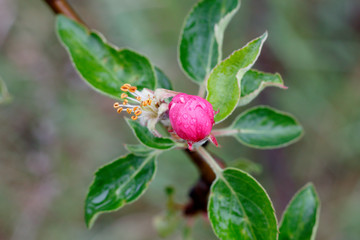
(301, 217)
(139, 149)
(264, 127)
(147, 138)
(254, 82)
(202, 36)
(223, 84)
(162, 80)
(102, 65)
(118, 183)
(239, 208)
(4, 94)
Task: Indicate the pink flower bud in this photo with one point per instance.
(191, 117)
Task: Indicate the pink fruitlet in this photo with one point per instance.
(192, 118)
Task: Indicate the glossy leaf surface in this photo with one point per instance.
(254, 82)
(202, 36)
(147, 138)
(118, 183)
(162, 80)
(301, 217)
(265, 127)
(223, 84)
(139, 149)
(239, 208)
(103, 66)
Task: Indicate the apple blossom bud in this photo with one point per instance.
(191, 117)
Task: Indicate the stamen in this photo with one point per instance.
(116, 105)
(138, 100)
(125, 87)
(137, 94)
(132, 89)
(133, 99)
(127, 105)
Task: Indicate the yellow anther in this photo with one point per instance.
(135, 108)
(149, 102)
(125, 102)
(138, 98)
(119, 110)
(137, 112)
(132, 89)
(143, 103)
(129, 110)
(116, 105)
(124, 95)
(125, 87)
(134, 117)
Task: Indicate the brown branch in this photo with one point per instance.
(200, 191)
(63, 7)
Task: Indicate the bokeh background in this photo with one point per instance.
(55, 131)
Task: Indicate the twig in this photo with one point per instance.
(63, 7)
(200, 191)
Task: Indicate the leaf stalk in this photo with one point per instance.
(210, 160)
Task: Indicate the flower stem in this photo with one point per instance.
(224, 132)
(210, 160)
(202, 90)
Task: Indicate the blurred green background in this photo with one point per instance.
(55, 131)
